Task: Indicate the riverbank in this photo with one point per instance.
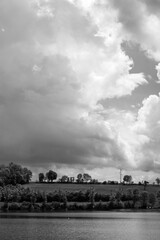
(25, 208)
(19, 198)
(73, 207)
(78, 214)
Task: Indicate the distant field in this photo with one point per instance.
(100, 188)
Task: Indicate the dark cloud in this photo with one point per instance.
(152, 6)
(58, 61)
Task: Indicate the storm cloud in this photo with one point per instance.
(58, 61)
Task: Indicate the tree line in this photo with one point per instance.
(50, 176)
(16, 174)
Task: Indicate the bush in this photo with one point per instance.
(14, 207)
(72, 206)
(152, 199)
(55, 196)
(102, 197)
(25, 194)
(51, 197)
(118, 205)
(48, 207)
(101, 206)
(5, 206)
(144, 199)
(26, 206)
(40, 197)
(56, 205)
(78, 196)
(89, 206)
(52, 206)
(111, 204)
(37, 207)
(128, 204)
(82, 207)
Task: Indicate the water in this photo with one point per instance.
(68, 226)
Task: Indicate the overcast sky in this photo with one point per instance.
(79, 86)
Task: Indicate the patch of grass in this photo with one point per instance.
(99, 188)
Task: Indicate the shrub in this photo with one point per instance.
(129, 194)
(102, 197)
(72, 206)
(56, 205)
(55, 196)
(14, 207)
(101, 206)
(89, 206)
(124, 197)
(26, 206)
(128, 205)
(136, 196)
(50, 197)
(40, 197)
(83, 207)
(5, 206)
(36, 207)
(48, 207)
(111, 204)
(158, 198)
(144, 199)
(51, 206)
(119, 205)
(152, 199)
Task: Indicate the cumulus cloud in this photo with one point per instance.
(59, 60)
(138, 135)
(148, 124)
(140, 22)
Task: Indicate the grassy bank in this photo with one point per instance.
(99, 188)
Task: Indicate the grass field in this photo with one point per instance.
(100, 188)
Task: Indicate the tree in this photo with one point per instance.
(41, 177)
(144, 199)
(64, 179)
(79, 178)
(64, 198)
(4, 175)
(136, 196)
(92, 197)
(19, 174)
(27, 175)
(51, 175)
(129, 194)
(127, 178)
(14, 174)
(152, 199)
(87, 177)
(158, 181)
(158, 197)
(145, 184)
(118, 196)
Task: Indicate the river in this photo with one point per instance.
(82, 225)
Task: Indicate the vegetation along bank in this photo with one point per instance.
(17, 194)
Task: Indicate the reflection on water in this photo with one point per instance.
(95, 226)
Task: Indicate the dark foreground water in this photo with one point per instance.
(89, 226)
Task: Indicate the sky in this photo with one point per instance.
(80, 87)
